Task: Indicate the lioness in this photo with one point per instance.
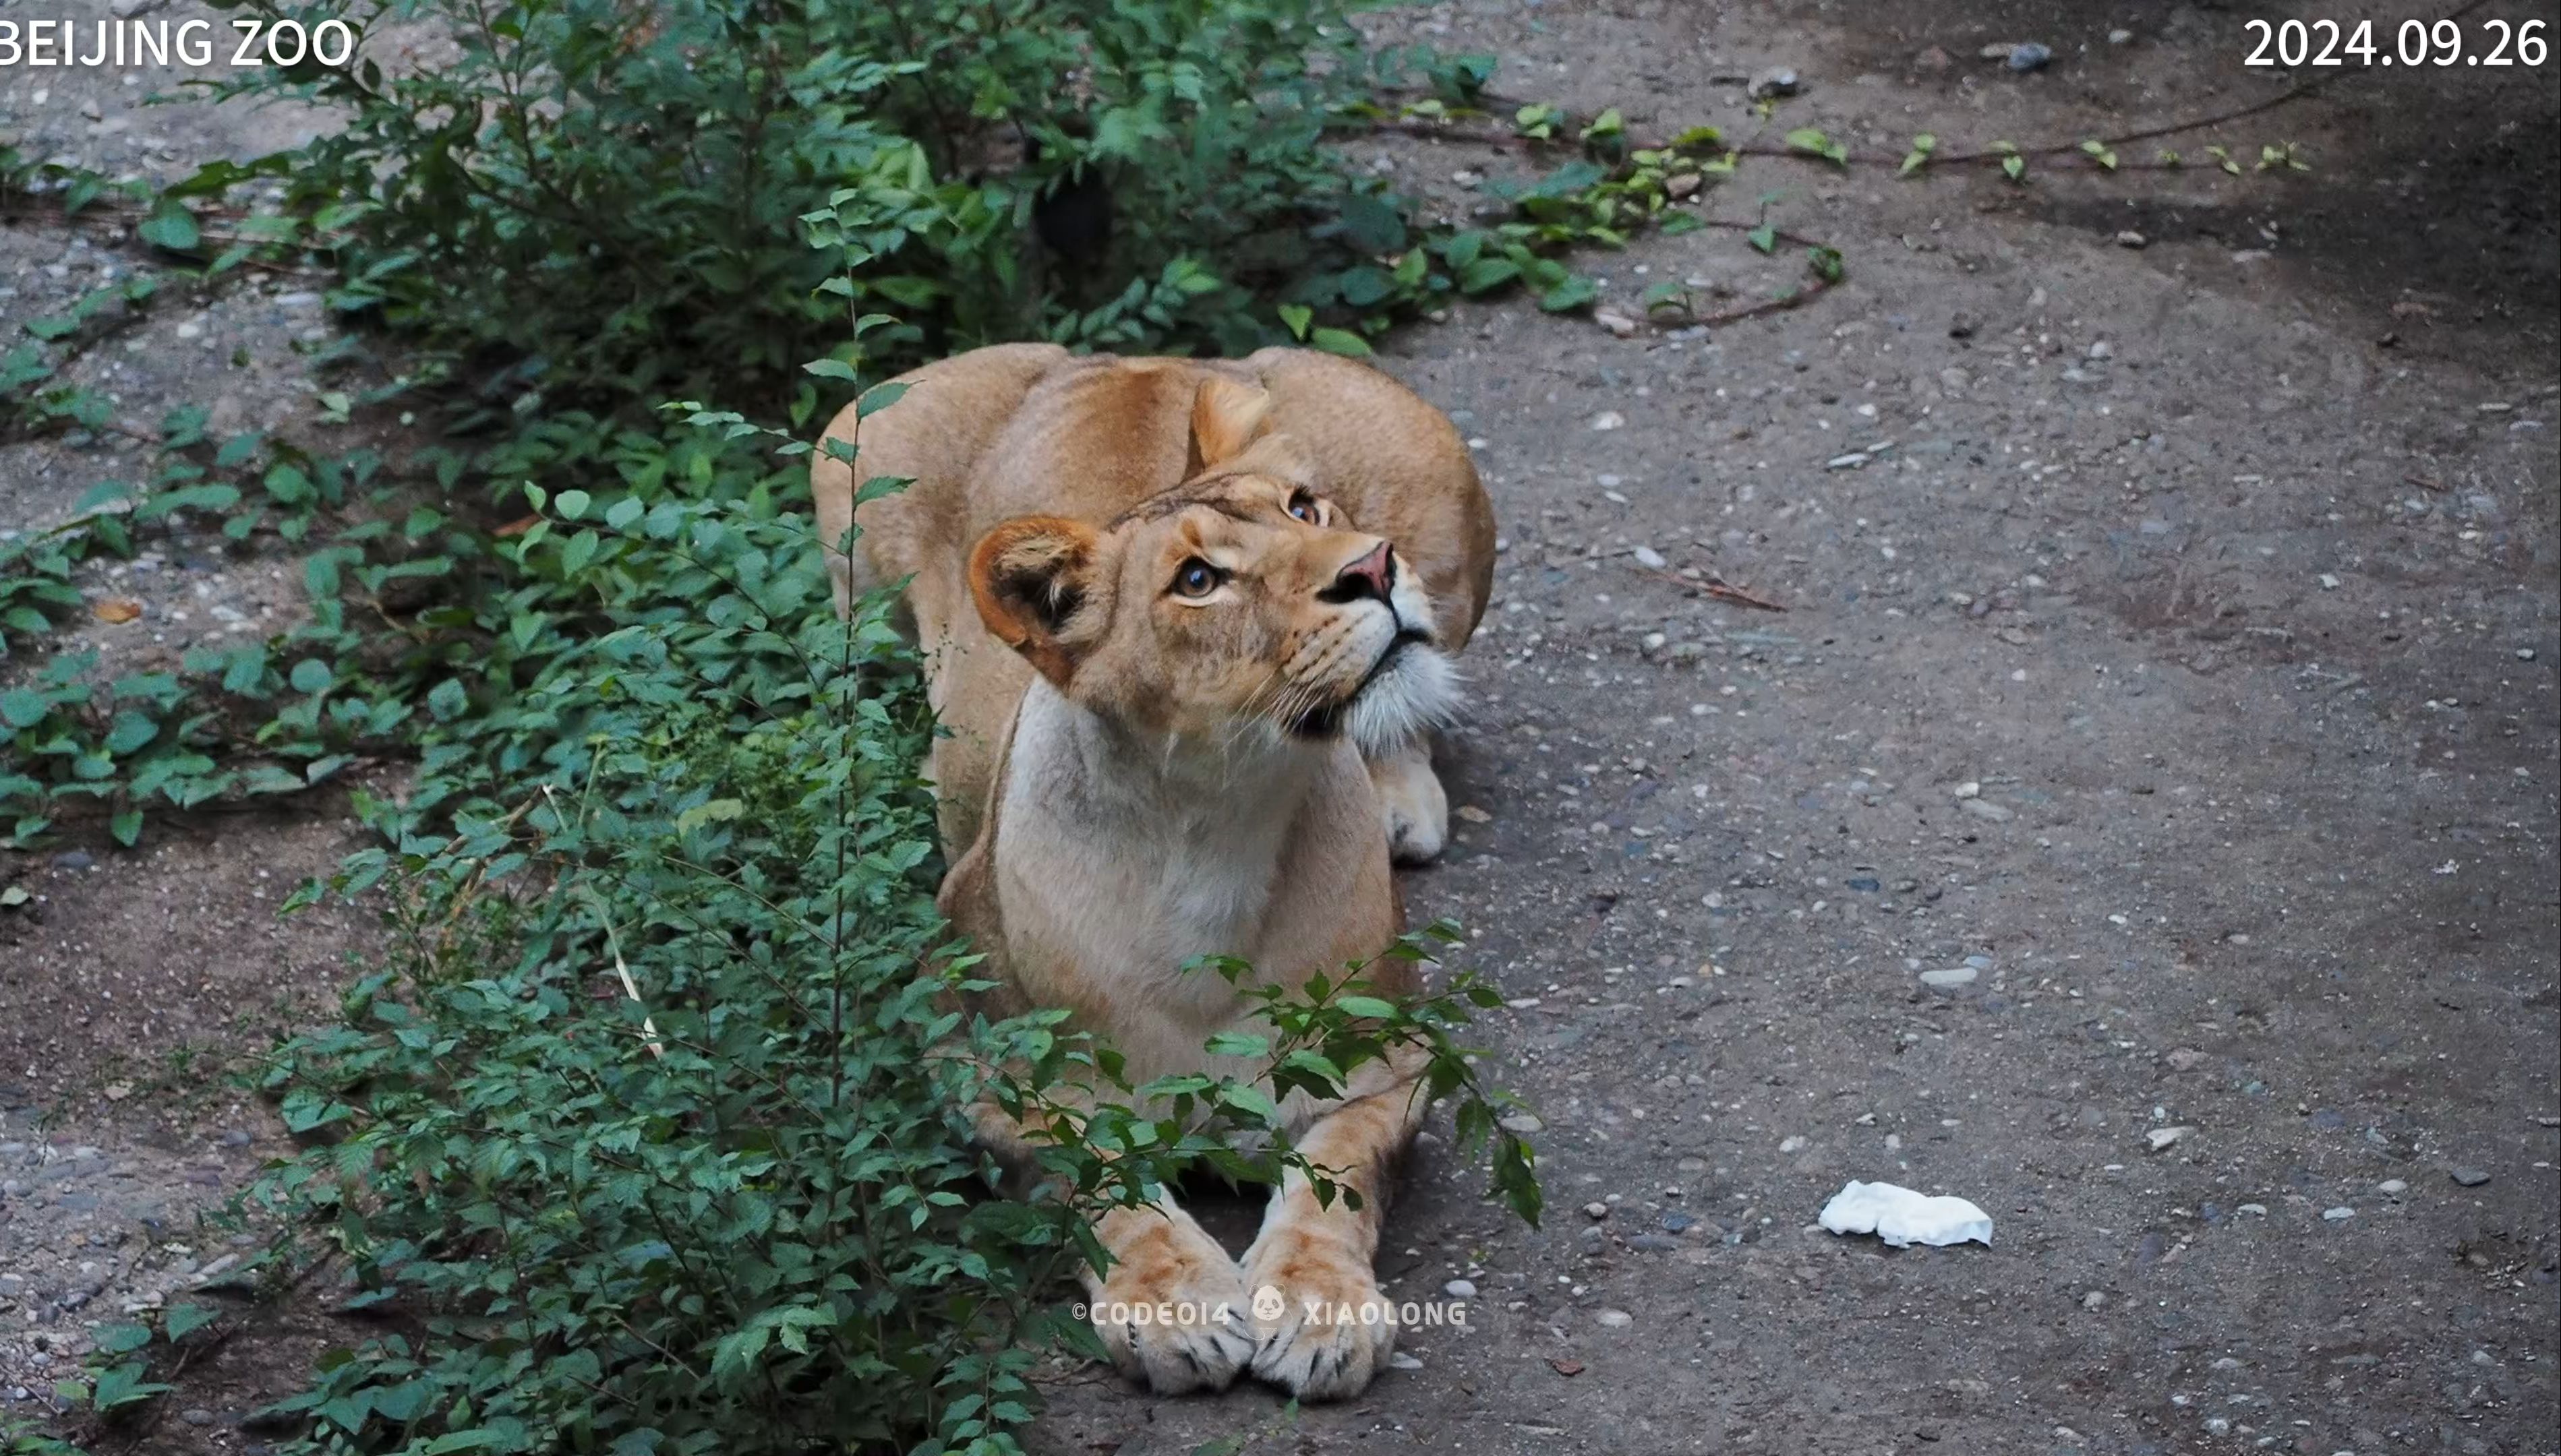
(1170, 607)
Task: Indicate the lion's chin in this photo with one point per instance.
(1411, 690)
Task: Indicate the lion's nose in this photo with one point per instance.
(1372, 576)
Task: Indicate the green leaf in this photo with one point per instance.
(1364, 286)
(1373, 225)
(1814, 142)
(571, 504)
(185, 1319)
(121, 1386)
(247, 669)
(1573, 293)
(170, 226)
(709, 812)
(126, 826)
(21, 707)
(1487, 273)
(448, 699)
(129, 732)
(287, 485)
(1339, 341)
(1297, 317)
(1239, 1043)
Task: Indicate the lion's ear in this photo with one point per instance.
(1031, 578)
(1227, 414)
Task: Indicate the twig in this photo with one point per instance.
(614, 943)
(1728, 591)
(1716, 586)
(1823, 282)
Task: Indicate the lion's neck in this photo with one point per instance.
(1121, 855)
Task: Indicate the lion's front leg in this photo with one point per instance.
(1171, 1308)
(1325, 1330)
(1411, 801)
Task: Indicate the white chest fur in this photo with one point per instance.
(1120, 860)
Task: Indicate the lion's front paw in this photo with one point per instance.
(1412, 803)
(1172, 1311)
(1325, 1329)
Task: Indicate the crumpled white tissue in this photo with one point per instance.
(1901, 1217)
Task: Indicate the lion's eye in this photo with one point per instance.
(1303, 506)
(1196, 578)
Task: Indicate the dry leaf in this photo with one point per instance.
(117, 609)
(516, 528)
(1566, 1366)
(118, 1092)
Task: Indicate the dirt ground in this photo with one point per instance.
(2140, 821)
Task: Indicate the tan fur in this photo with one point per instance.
(1159, 597)
(1023, 430)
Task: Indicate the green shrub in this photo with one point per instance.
(641, 740)
(652, 1136)
(570, 202)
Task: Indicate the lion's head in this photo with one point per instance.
(1241, 600)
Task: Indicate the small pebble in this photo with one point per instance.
(1595, 1210)
(2028, 55)
(1613, 1318)
(1460, 1289)
(2342, 1211)
(1952, 976)
(2469, 1176)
